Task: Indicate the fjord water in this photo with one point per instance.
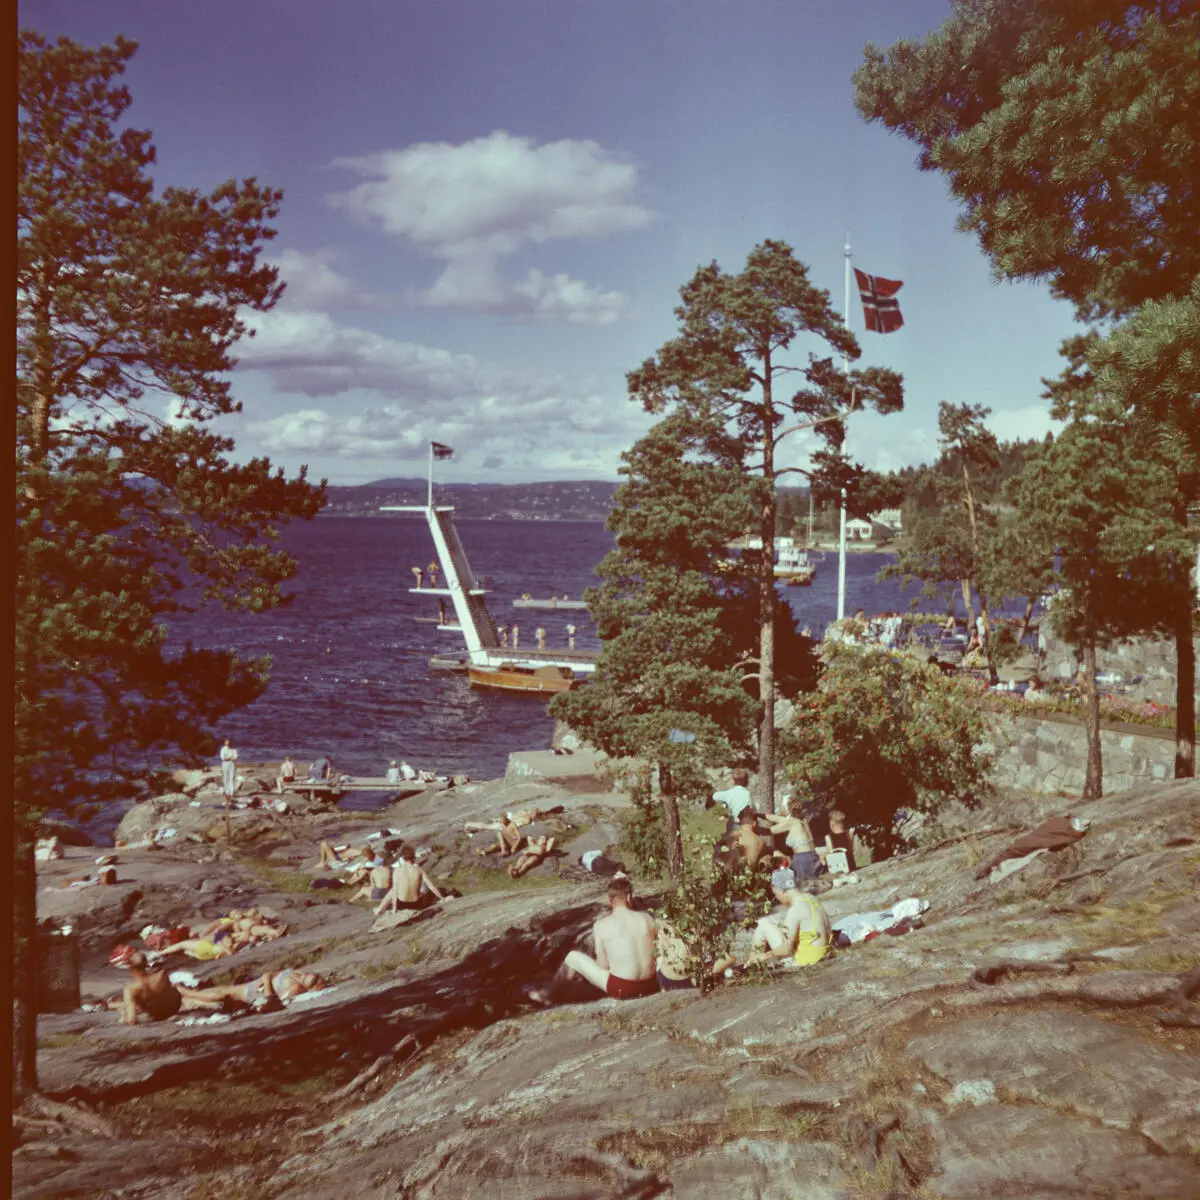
(350, 673)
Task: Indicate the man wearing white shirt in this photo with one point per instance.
(735, 798)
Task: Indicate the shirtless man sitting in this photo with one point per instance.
(287, 773)
(281, 985)
(624, 966)
(149, 992)
(411, 887)
(509, 839)
(535, 854)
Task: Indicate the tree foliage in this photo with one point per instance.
(129, 511)
(668, 660)
(725, 372)
(885, 731)
(1099, 502)
(1068, 130)
(1138, 378)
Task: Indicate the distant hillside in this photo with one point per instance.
(560, 500)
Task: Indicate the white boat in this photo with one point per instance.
(792, 563)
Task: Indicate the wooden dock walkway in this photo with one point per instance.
(339, 787)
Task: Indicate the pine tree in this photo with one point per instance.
(1070, 132)
(128, 508)
(1098, 502)
(1147, 369)
(725, 371)
(667, 663)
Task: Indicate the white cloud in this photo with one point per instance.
(530, 419)
(315, 284)
(1021, 424)
(311, 354)
(474, 204)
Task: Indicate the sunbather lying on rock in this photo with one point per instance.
(104, 876)
(149, 992)
(228, 935)
(519, 817)
(535, 854)
(280, 986)
(340, 857)
(624, 966)
(411, 887)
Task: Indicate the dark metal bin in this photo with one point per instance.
(58, 972)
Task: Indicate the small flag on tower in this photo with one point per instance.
(440, 451)
(881, 309)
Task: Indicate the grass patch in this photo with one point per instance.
(1124, 924)
(482, 879)
(699, 829)
(61, 1041)
(655, 1149)
(389, 966)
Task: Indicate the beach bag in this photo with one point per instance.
(836, 862)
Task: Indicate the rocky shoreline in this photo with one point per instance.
(1035, 1038)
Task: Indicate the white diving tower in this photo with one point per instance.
(470, 608)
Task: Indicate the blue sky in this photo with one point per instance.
(490, 206)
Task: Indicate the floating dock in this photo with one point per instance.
(551, 603)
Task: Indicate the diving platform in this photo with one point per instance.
(472, 619)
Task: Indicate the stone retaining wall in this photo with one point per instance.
(1046, 756)
(1146, 666)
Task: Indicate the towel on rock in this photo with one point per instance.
(1054, 834)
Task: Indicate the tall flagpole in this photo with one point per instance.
(431, 475)
(841, 595)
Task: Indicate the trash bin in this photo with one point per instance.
(58, 972)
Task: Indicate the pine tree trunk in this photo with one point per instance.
(969, 605)
(1030, 601)
(670, 810)
(764, 801)
(993, 674)
(1093, 784)
(24, 1026)
(1185, 690)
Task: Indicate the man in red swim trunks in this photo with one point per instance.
(625, 944)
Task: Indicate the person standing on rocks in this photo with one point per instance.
(228, 768)
(625, 942)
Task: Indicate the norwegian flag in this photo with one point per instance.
(881, 309)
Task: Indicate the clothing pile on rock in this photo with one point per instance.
(157, 937)
(1054, 834)
(903, 917)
